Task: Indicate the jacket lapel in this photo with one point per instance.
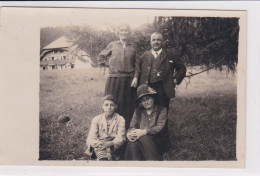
(150, 58)
(104, 122)
(162, 56)
(113, 123)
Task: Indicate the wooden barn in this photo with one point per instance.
(60, 54)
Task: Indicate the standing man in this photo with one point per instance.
(160, 71)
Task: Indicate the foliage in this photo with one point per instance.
(201, 40)
(91, 40)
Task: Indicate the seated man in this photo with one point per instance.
(147, 134)
(107, 132)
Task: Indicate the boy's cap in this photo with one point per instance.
(143, 90)
(110, 98)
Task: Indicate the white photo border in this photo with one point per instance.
(253, 87)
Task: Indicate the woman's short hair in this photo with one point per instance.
(123, 25)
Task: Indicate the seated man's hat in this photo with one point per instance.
(143, 90)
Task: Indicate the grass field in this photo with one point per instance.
(202, 117)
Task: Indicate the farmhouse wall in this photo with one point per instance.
(60, 55)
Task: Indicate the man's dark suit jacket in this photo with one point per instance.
(171, 68)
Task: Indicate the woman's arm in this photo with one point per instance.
(103, 56)
(137, 72)
(138, 66)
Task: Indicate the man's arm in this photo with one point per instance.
(178, 68)
(160, 124)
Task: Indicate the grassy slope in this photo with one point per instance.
(202, 118)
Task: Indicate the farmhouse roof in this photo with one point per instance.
(62, 42)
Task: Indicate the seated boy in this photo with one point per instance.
(107, 132)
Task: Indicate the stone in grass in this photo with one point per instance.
(64, 119)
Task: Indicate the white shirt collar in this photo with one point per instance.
(158, 53)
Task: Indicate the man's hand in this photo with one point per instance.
(134, 82)
(139, 133)
(135, 134)
(131, 135)
(175, 81)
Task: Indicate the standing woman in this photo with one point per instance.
(120, 57)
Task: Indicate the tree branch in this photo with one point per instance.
(206, 69)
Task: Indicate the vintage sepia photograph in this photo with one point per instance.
(114, 86)
(152, 88)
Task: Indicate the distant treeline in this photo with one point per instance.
(196, 40)
(49, 34)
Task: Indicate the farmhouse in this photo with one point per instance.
(61, 54)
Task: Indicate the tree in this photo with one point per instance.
(91, 40)
(201, 40)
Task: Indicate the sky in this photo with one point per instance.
(98, 18)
